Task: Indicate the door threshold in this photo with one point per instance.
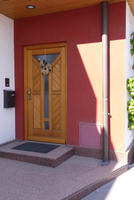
(49, 140)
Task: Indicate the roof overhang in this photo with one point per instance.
(16, 9)
(131, 4)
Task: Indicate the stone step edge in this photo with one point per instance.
(83, 192)
(38, 160)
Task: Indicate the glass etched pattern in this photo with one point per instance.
(46, 96)
(48, 59)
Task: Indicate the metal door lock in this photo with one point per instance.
(29, 93)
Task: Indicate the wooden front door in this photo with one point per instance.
(45, 93)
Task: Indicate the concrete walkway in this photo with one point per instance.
(121, 188)
(26, 181)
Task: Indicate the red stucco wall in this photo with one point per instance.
(82, 26)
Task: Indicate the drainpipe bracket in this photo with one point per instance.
(108, 114)
(105, 163)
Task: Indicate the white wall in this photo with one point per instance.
(129, 135)
(7, 116)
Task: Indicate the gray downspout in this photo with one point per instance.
(105, 79)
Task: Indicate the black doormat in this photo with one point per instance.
(36, 147)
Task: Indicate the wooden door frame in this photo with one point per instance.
(26, 50)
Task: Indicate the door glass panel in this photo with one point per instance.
(46, 96)
(46, 59)
(49, 58)
(46, 125)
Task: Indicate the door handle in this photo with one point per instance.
(29, 93)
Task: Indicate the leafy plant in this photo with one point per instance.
(132, 43)
(130, 86)
(130, 109)
(130, 103)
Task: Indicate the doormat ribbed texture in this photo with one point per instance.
(36, 147)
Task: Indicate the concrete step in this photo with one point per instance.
(50, 159)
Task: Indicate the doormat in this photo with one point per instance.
(36, 147)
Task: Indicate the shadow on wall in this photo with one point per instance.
(84, 92)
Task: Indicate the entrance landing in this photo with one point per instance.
(52, 159)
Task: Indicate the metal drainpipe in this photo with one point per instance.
(105, 79)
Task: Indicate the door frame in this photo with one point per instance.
(34, 47)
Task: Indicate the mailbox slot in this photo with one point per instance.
(9, 98)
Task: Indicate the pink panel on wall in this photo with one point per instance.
(90, 135)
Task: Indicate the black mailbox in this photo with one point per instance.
(9, 98)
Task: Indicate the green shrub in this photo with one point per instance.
(130, 86)
(132, 44)
(130, 109)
